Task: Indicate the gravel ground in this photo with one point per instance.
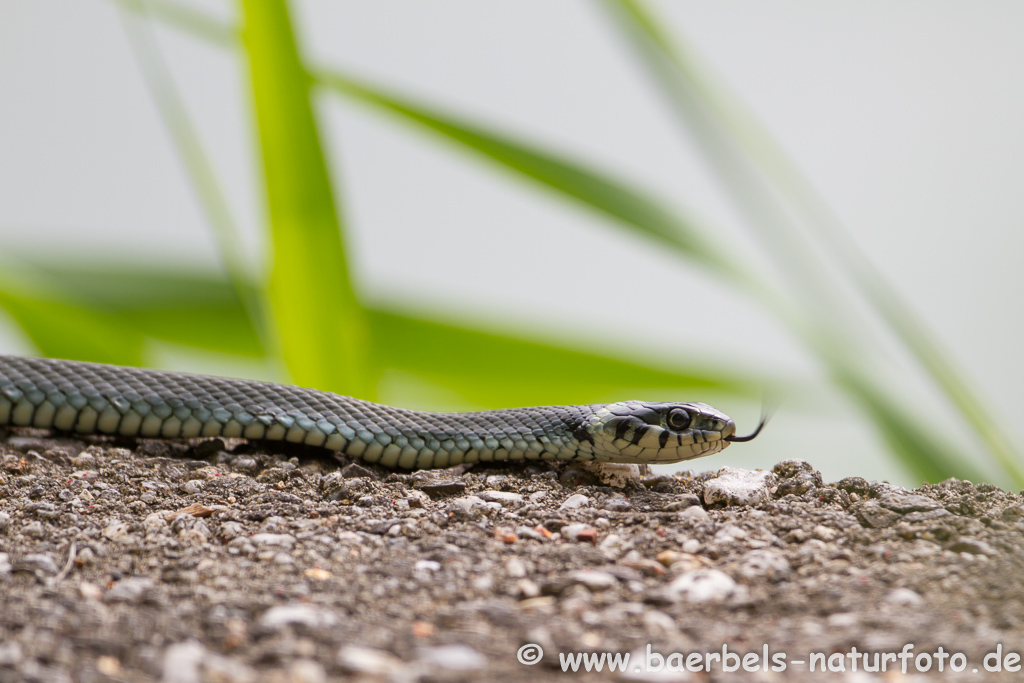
(225, 561)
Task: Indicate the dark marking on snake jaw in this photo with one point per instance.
(622, 427)
(639, 434)
(663, 438)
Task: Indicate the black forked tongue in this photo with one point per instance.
(750, 437)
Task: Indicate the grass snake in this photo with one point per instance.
(89, 398)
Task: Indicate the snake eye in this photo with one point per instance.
(678, 419)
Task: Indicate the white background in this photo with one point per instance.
(906, 117)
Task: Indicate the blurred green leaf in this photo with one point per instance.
(319, 321)
(914, 443)
(62, 329)
(775, 166)
(486, 368)
(732, 139)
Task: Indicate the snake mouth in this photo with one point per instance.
(732, 438)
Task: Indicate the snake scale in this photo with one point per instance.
(89, 398)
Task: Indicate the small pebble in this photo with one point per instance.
(452, 657)
(515, 568)
(273, 540)
(903, 597)
(368, 661)
(574, 502)
(691, 546)
(528, 532)
(34, 530)
(505, 535)
(503, 497)
(132, 589)
(572, 531)
(280, 616)
(306, 671)
(526, 589)
(703, 585)
(696, 513)
(594, 580)
(734, 486)
(767, 563)
(973, 546)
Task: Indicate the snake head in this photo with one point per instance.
(647, 432)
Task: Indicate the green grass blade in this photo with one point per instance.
(186, 139)
(597, 191)
(775, 165)
(319, 321)
(628, 206)
(694, 95)
(914, 443)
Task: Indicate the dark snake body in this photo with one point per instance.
(89, 398)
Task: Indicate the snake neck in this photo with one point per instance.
(444, 439)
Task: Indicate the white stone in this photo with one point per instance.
(694, 512)
(306, 671)
(691, 546)
(427, 566)
(280, 616)
(454, 657)
(515, 568)
(155, 522)
(467, 503)
(574, 502)
(769, 563)
(903, 597)
(730, 533)
(367, 660)
(181, 662)
(594, 580)
(131, 589)
(734, 486)
(703, 585)
(503, 497)
(274, 540)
